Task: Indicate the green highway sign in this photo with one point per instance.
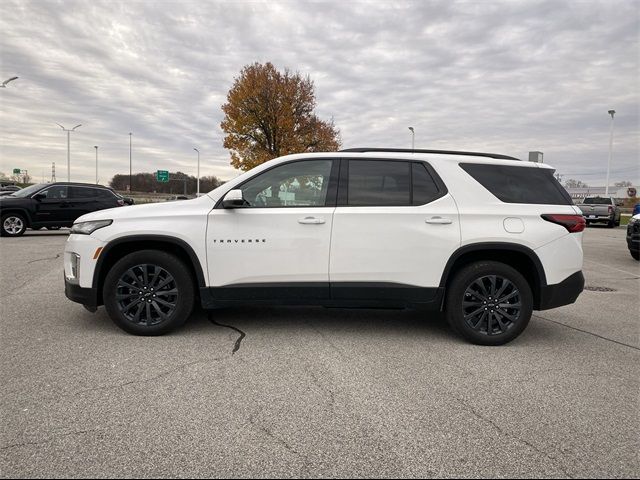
(16, 171)
(162, 176)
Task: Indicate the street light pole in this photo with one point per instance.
(606, 188)
(413, 138)
(198, 181)
(130, 161)
(68, 148)
(96, 147)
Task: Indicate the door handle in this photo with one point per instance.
(311, 221)
(438, 220)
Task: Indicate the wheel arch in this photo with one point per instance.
(22, 211)
(518, 256)
(117, 249)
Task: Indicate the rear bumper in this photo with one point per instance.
(78, 294)
(563, 293)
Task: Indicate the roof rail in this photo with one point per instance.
(442, 152)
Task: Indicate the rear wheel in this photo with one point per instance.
(489, 303)
(611, 223)
(12, 225)
(149, 292)
(635, 254)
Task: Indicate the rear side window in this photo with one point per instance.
(519, 184)
(379, 183)
(83, 192)
(425, 188)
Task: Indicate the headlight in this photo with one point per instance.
(87, 228)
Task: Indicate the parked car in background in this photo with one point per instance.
(636, 209)
(173, 198)
(633, 236)
(601, 210)
(52, 205)
(8, 190)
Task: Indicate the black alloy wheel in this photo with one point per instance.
(149, 292)
(488, 303)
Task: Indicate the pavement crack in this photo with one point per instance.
(50, 439)
(283, 443)
(236, 346)
(329, 393)
(587, 332)
(42, 259)
(503, 432)
(140, 381)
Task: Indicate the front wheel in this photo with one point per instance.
(149, 292)
(489, 303)
(13, 225)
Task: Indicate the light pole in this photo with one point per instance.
(413, 138)
(606, 188)
(96, 147)
(68, 148)
(130, 161)
(198, 182)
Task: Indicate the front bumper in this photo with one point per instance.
(86, 296)
(563, 293)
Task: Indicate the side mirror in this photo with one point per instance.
(39, 196)
(234, 199)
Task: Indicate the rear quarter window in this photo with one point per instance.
(512, 184)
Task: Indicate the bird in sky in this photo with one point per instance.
(4, 84)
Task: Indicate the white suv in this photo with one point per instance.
(484, 237)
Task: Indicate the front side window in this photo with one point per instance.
(296, 184)
(59, 192)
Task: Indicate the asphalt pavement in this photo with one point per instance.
(314, 392)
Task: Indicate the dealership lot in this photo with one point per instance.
(316, 392)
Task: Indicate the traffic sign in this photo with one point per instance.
(16, 171)
(162, 176)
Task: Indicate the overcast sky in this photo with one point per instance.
(505, 77)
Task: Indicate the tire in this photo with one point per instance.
(12, 225)
(611, 224)
(635, 254)
(161, 313)
(506, 322)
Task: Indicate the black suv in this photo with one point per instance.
(52, 205)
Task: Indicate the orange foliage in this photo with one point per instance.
(269, 114)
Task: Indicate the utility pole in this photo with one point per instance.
(198, 181)
(130, 161)
(68, 148)
(606, 188)
(96, 147)
(413, 138)
(53, 172)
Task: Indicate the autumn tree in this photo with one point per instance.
(269, 113)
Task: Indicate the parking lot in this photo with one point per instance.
(317, 392)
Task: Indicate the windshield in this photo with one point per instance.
(28, 191)
(597, 200)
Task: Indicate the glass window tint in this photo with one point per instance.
(105, 194)
(424, 187)
(519, 184)
(297, 184)
(380, 183)
(84, 192)
(57, 192)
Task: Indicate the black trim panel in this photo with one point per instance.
(476, 247)
(336, 294)
(563, 293)
(150, 238)
(84, 296)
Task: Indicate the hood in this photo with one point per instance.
(164, 209)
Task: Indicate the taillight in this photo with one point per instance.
(610, 209)
(573, 223)
(120, 202)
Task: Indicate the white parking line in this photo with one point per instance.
(613, 268)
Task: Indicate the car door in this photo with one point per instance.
(277, 245)
(394, 228)
(52, 205)
(84, 200)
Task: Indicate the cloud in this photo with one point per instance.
(508, 77)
